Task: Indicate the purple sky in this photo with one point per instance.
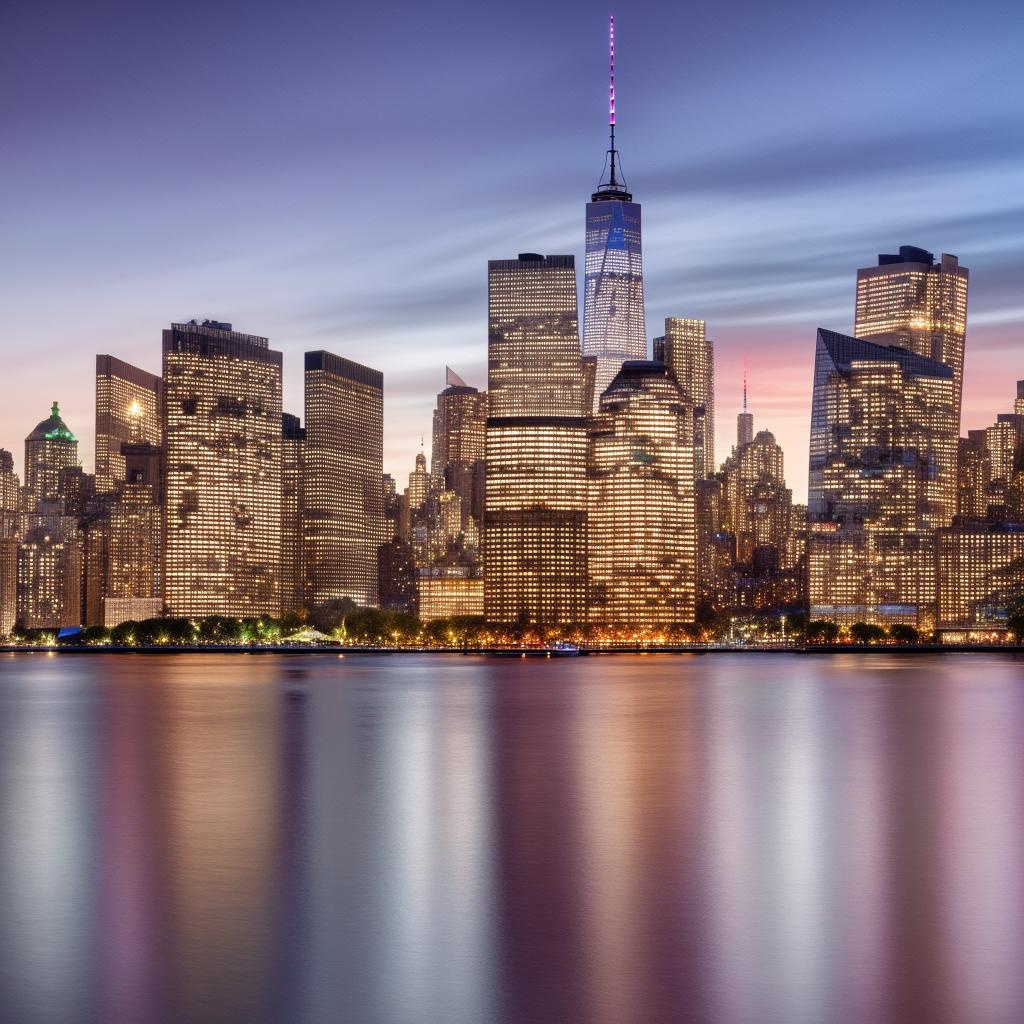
(336, 178)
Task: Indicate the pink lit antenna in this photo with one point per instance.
(611, 95)
(611, 73)
(744, 383)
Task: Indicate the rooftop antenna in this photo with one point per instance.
(611, 94)
(744, 383)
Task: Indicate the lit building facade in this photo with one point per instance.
(641, 527)
(292, 445)
(449, 591)
(914, 302)
(222, 481)
(980, 571)
(50, 573)
(49, 449)
(457, 453)
(688, 352)
(128, 411)
(343, 479)
(536, 445)
(882, 480)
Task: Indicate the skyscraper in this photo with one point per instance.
(641, 529)
(536, 495)
(222, 436)
(686, 350)
(343, 487)
(292, 444)
(911, 301)
(457, 453)
(49, 449)
(50, 573)
(882, 480)
(614, 328)
(744, 419)
(127, 412)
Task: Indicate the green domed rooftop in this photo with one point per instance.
(52, 429)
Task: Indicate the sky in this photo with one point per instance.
(336, 176)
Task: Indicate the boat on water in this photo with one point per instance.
(563, 649)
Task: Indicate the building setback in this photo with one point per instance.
(222, 434)
(535, 506)
(343, 479)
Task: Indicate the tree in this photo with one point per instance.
(1015, 617)
(904, 634)
(123, 633)
(94, 635)
(330, 615)
(821, 631)
(866, 633)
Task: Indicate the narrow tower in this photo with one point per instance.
(614, 328)
(745, 420)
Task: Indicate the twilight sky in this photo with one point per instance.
(336, 176)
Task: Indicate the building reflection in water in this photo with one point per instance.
(48, 902)
(719, 839)
(219, 759)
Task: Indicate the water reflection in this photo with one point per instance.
(726, 839)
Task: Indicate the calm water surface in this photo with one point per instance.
(735, 838)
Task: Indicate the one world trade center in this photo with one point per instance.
(614, 328)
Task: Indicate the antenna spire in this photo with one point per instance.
(611, 93)
(744, 383)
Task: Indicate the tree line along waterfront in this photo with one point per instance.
(346, 624)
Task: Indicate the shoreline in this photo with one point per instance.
(515, 652)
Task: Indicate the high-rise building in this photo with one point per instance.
(457, 453)
(50, 448)
(10, 486)
(911, 301)
(292, 444)
(882, 480)
(980, 572)
(446, 591)
(536, 444)
(744, 419)
(419, 482)
(614, 328)
(343, 488)
(127, 412)
(688, 352)
(50, 573)
(222, 480)
(10, 529)
(641, 529)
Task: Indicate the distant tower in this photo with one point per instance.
(745, 420)
(686, 350)
(614, 328)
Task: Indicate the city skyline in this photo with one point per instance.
(762, 254)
